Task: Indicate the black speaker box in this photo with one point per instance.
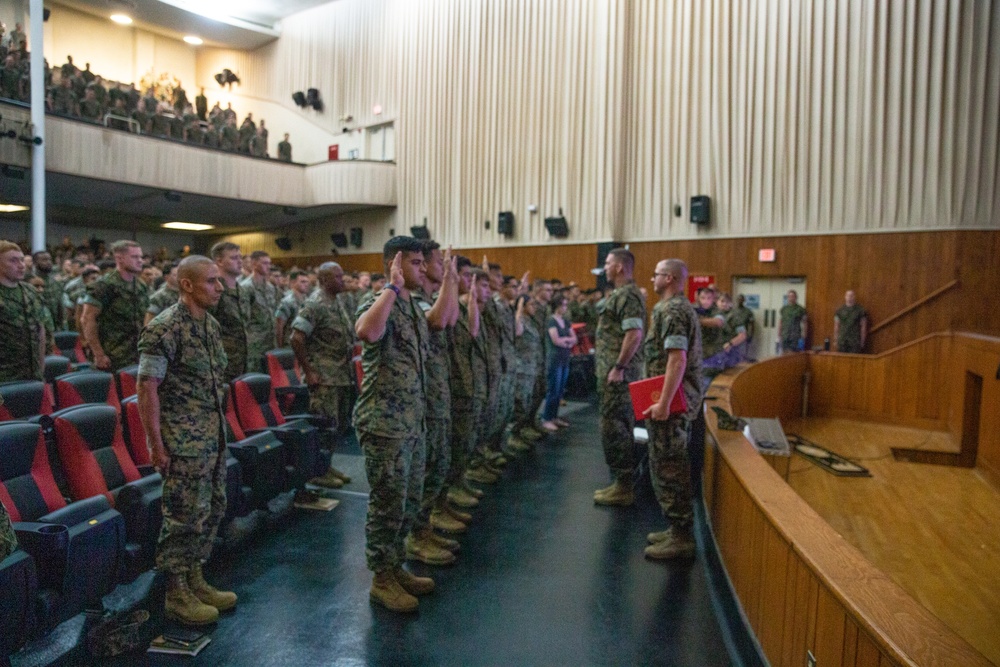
(700, 209)
(339, 239)
(299, 98)
(283, 242)
(557, 227)
(421, 233)
(356, 237)
(505, 223)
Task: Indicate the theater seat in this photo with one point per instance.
(97, 463)
(127, 379)
(257, 409)
(86, 387)
(55, 365)
(70, 345)
(19, 583)
(78, 549)
(359, 372)
(261, 457)
(286, 379)
(25, 400)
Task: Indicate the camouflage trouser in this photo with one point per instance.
(524, 387)
(617, 424)
(437, 465)
(194, 503)
(8, 540)
(505, 410)
(395, 468)
(327, 401)
(491, 408)
(537, 394)
(465, 413)
(670, 468)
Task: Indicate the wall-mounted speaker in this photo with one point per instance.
(313, 99)
(356, 237)
(339, 239)
(299, 98)
(557, 227)
(283, 242)
(505, 223)
(700, 209)
(421, 233)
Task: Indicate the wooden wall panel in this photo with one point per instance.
(772, 389)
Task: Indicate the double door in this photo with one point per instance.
(765, 297)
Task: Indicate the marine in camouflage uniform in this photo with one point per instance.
(674, 326)
(162, 299)
(260, 325)
(623, 311)
(540, 317)
(508, 367)
(23, 332)
(469, 368)
(389, 418)
(527, 346)
(232, 313)
(791, 317)
(121, 309)
(849, 320)
(491, 331)
(53, 290)
(188, 358)
(288, 309)
(8, 540)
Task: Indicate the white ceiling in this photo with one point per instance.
(237, 24)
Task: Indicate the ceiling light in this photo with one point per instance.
(195, 41)
(187, 226)
(121, 19)
(12, 208)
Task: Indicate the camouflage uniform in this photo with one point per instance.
(351, 301)
(21, 312)
(8, 540)
(527, 345)
(624, 310)
(491, 332)
(438, 458)
(742, 316)
(389, 418)
(849, 336)
(674, 327)
(468, 393)
(232, 313)
(122, 311)
(508, 367)
(162, 299)
(329, 347)
(540, 317)
(291, 303)
(791, 326)
(260, 326)
(52, 296)
(188, 357)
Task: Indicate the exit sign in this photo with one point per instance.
(766, 255)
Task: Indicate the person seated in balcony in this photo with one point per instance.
(142, 117)
(64, 100)
(100, 92)
(10, 79)
(87, 75)
(69, 70)
(258, 144)
(132, 97)
(90, 108)
(212, 136)
(152, 104)
(230, 112)
(217, 117)
(229, 137)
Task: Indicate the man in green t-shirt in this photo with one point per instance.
(850, 325)
(793, 324)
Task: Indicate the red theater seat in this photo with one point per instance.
(25, 400)
(84, 387)
(128, 378)
(70, 345)
(286, 379)
(135, 437)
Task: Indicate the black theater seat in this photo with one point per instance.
(261, 456)
(96, 462)
(70, 345)
(56, 365)
(19, 588)
(290, 390)
(25, 400)
(86, 387)
(78, 549)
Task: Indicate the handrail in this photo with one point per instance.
(913, 306)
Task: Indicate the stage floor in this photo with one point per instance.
(934, 529)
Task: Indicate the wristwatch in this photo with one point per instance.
(393, 288)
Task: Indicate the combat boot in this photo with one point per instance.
(343, 476)
(495, 459)
(471, 490)
(423, 549)
(481, 475)
(413, 584)
(443, 542)
(517, 445)
(531, 434)
(446, 523)
(618, 494)
(462, 498)
(454, 513)
(182, 605)
(387, 591)
(328, 480)
(221, 600)
(679, 543)
(653, 538)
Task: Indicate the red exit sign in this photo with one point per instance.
(766, 255)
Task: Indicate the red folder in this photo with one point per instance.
(646, 392)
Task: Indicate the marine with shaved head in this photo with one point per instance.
(182, 367)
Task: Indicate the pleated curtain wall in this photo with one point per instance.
(795, 116)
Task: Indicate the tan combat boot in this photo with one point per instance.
(618, 494)
(420, 547)
(413, 584)
(653, 538)
(679, 543)
(441, 520)
(221, 600)
(517, 445)
(458, 514)
(461, 498)
(388, 592)
(443, 542)
(343, 476)
(328, 480)
(471, 490)
(481, 475)
(182, 606)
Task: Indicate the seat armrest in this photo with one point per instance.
(78, 512)
(47, 544)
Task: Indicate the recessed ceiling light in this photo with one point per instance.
(121, 19)
(187, 226)
(12, 208)
(196, 41)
